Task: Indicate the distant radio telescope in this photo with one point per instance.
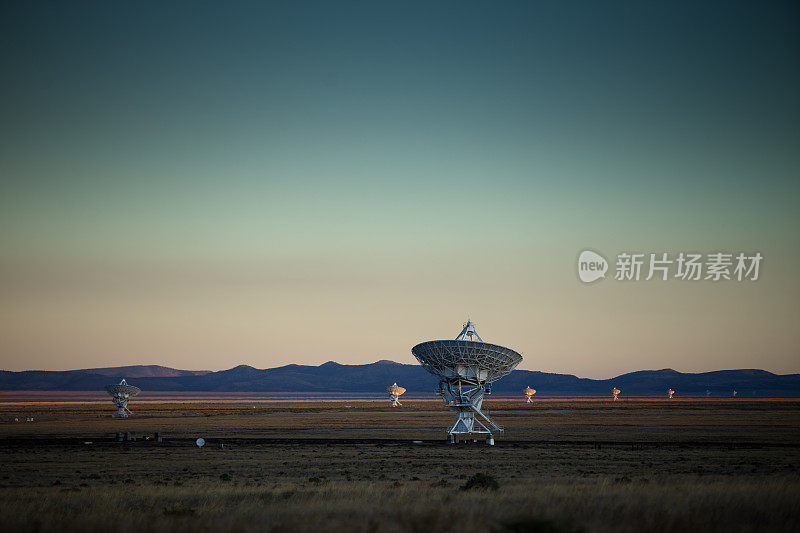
(394, 394)
(708, 394)
(670, 392)
(615, 392)
(120, 394)
(528, 392)
(734, 394)
(466, 369)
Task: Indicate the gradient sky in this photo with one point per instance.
(203, 184)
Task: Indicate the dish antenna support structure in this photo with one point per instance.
(120, 395)
(528, 392)
(670, 392)
(466, 368)
(614, 393)
(395, 392)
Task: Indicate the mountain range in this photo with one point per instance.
(375, 377)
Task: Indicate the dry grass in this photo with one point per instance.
(691, 481)
(593, 505)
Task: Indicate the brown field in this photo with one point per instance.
(562, 465)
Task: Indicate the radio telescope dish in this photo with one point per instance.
(200, 442)
(615, 392)
(528, 392)
(120, 394)
(394, 394)
(670, 392)
(466, 368)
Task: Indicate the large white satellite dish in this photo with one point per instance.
(466, 368)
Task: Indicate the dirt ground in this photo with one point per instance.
(561, 465)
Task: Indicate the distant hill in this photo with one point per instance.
(143, 371)
(375, 377)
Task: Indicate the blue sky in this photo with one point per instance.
(205, 184)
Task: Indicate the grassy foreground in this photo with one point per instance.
(565, 505)
(725, 469)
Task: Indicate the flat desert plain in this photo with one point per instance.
(360, 465)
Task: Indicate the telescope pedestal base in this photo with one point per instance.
(467, 425)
